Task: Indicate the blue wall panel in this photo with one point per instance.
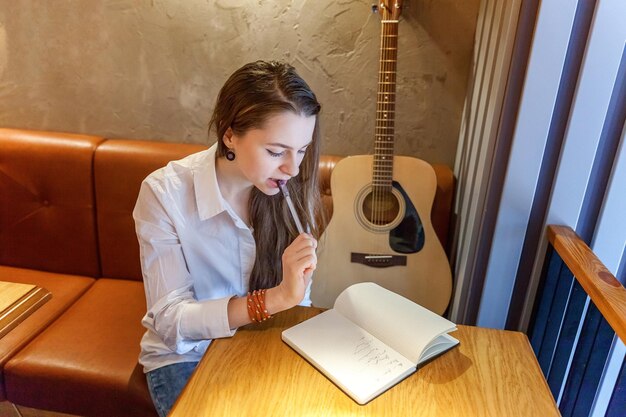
(617, 405)
(588, 364)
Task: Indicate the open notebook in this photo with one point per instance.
(371, 340)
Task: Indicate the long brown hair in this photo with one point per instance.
(253, 94)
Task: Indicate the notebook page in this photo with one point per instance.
(353, 359)
(402, 324)
(438, 346)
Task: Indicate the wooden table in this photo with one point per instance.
(18, 301)
(491, 373)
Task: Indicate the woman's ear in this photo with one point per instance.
(228, 137)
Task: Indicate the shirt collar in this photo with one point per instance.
(209, 199)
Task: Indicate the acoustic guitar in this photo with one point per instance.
(380, 230)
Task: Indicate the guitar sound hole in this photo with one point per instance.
(380, 208)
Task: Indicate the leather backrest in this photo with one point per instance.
(326, 165)
(441, 214)
(47, 219)
(120, 167)
(48, 197)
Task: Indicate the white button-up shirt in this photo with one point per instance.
(196, 254)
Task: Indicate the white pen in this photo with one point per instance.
(283, 187)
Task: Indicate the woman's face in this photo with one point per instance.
(274, 152)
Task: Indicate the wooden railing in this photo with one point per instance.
(606, 292)
(580, 309)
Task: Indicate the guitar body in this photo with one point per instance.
(401, 253)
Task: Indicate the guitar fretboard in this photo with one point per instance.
(385, 108)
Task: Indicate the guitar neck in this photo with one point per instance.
(385, 107)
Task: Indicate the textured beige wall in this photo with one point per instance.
(151, 69)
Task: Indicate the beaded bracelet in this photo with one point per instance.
(257, 311)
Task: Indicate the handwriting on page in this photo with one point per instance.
(373, 360)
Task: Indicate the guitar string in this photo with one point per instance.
(373, 210)
(380, 113)
(385, 130)
(374, 173)
(382, 68)
(378, 123)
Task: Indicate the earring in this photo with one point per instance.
(230, 155)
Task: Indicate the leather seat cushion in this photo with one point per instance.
(65, 289)
(88, 356)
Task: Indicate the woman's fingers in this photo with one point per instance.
(299, 262)
(303, 241)
(302, 245)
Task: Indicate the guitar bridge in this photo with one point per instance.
(377, 261)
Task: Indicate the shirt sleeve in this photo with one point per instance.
(173, 312)
(306, 301)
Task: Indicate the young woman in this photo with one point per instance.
(219, 248)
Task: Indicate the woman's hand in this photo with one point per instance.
(299, 262)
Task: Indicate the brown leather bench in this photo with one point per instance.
(65, 225)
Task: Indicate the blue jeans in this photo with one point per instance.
(166, 383)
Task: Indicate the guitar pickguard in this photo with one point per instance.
(408, 236)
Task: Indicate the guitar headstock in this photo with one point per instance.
(388, 9)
